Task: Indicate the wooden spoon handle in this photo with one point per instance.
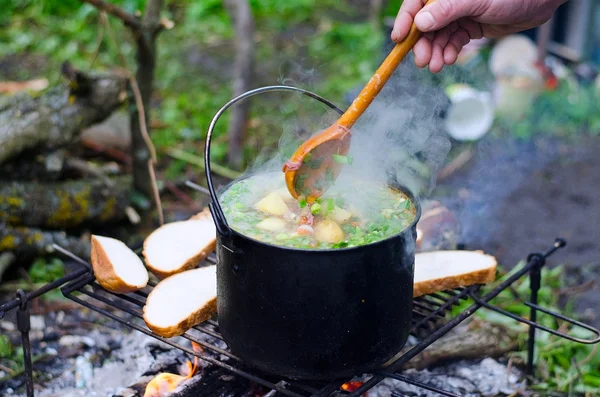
(381, 76)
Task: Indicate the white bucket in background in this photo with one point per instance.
(471, 113)
(516, 90)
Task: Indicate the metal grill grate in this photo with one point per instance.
(429, 313)
(431, 321)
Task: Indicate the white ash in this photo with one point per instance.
(37, 323)
(69, 340)
(483, 378)
(139, 354)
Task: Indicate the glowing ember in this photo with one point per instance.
(164, 383)
(351, 386)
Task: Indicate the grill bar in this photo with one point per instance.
(410, 381)
(186, 349)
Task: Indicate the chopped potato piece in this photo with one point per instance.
(328, 231)
(340, 215)
(272, 204)
(272, 224)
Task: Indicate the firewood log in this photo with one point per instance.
(64, 204)
(29, 242)
(56, 117)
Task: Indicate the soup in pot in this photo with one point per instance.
(350, 214)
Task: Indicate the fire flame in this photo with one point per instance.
(351, 386)
(164, 383)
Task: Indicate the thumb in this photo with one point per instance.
(441, 13)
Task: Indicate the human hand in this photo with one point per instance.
(448, 25)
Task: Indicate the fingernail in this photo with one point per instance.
(424, 20)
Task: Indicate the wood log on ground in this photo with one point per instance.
(481, 339)
(32, 166)
(56, 117)
(28, 242)
(64, 204)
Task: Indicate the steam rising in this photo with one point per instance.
(400, 135)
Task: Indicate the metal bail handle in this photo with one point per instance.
(215, 207)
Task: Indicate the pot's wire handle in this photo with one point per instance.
(214, 206)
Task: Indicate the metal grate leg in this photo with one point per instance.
(24, 325)
(535, 280)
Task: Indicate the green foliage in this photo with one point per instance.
(6, 348)
(45, 271)
(569, 110)
(343, 46)
(391, 8)
(561, 365)
(10, 357)
(346, 67)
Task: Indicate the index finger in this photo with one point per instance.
(405, 17)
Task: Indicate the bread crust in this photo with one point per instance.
(189, 263)
(481, 276)
(202, 314)
(105, 272)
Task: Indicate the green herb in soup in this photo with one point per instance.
(350, 214)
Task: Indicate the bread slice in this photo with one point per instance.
(444, 270)
(117, 268)
(181, 301)
(178, 246)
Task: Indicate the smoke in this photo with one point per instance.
(400, 135)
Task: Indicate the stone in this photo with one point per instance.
(438, 228)
(37, 323)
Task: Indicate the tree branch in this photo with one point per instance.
(241, 15)
(129, 20)
(144, 153)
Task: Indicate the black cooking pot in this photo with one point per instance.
(311, 314)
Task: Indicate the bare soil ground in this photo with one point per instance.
(516, 198)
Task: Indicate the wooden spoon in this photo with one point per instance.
(315, 165)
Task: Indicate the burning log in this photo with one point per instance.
(56, 117)
(65, 204)
(165, 383)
